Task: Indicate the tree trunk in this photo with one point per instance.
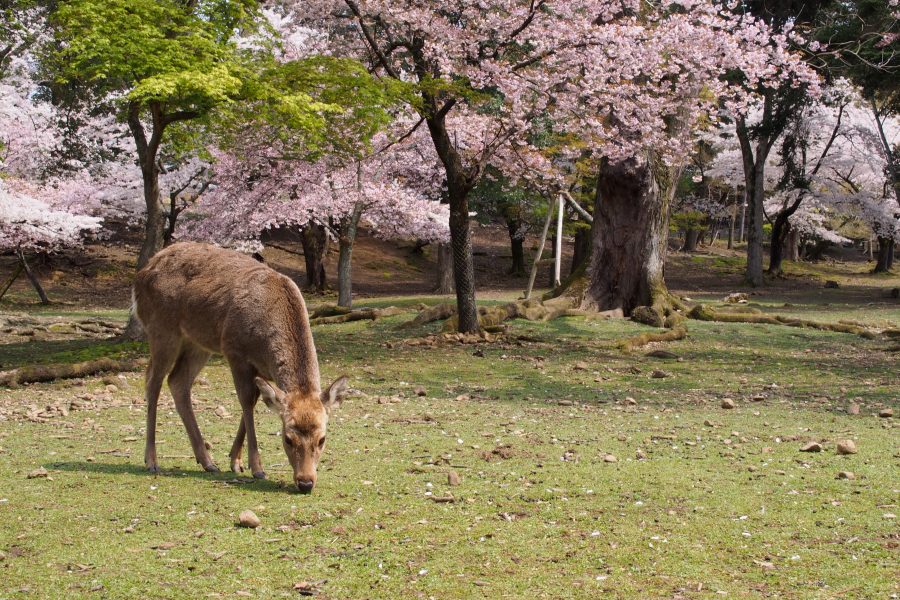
(314, 238)
(32, 278)
(780, 230)
(12, 279)
(516, 229)
(885, 255)
(754, 271)
(731, 226)
(581, 251)
(347, 238)
(691, 239)
(444, 273)
(463, 265)
(793, 244)
(754, 185)
(629, 237)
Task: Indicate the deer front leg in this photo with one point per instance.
(162, 356)
(248, 394)
(237, 448)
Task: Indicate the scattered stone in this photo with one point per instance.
(849, 475)
(640, 454)
(659, 374)
(610, 458)
(479, 353)
(112, 388)
(630, 401)
(853, 409)
(38, 473)
(728, 403)
(886, 413)
(566, 402)
(709, 423)
(129, 529)
(846, 447)
(448, 499)
(752, 469)
(812, 447)
(249, 519)
(665, 354)
(222, 413)
(581, 366)
(453, 478)
(420, 391)
(832, 284)
(305, 588)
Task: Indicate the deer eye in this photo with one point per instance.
(322, 442)
(288, 441)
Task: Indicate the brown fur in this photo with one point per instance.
(195, 300)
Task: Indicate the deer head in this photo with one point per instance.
(304, 420)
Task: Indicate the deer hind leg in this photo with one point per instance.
(237, 448)
(163, 353)
(190, 362)
(248, 394)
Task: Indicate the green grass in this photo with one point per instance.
(732, 508)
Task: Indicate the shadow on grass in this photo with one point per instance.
(226, 477)
(34, 352)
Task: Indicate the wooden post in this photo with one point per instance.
(34, 280)
(12, 279)
(540, 253)
(557, 266)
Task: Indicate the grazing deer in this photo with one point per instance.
(195, 300)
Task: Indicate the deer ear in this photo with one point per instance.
(270, 395)
(332, 397)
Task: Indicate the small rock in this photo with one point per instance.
(2, 556)
(849, 475)
(610, 458)
(630, 401)
(752, 469)
(886, 413)
(566, 403)
(736, 298)
(832, 284)
(812, 447)
(728, 403)
(38, 473)
(665, 354)
(453, 478)
(581, 366)
(846, 447)
(249, 519)
(659, 374)
(853, 409)
(129, 529)
(709, 423)
(479, 353)
(221, 412)
(305, 588)
(639, 454)
(112, 388)
(420, 391)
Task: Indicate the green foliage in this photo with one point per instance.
(689, 220)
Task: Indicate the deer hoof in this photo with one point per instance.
(237, 466)
(259, 474)
(154, 469)
(211, 468)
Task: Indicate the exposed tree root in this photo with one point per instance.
(365, 314)
(429, 315)
(677, 332)
(37, 373)
(702, 312)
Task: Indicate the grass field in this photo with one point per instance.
(568, 488)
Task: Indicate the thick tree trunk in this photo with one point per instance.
(516, 229)
(780, 230)
(731, 226)
(463, 265)
(754, 272)
(885, 260)
(314, 238)
(444, 273)
(691, 240)
(754, 187)
(581, 250)
(347, 237)
(629, 237)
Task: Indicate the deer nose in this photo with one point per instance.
(305, 486)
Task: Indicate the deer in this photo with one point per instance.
(195, 300)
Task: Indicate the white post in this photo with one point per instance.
(557, 266)
(540, 253)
